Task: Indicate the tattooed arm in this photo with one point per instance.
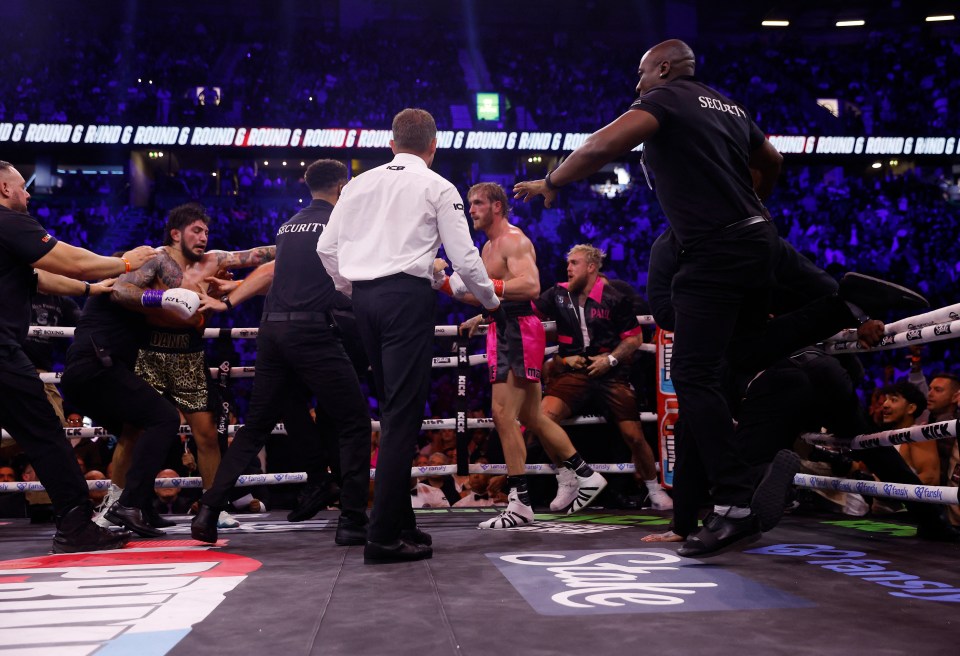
(244, 259)
(130, 286)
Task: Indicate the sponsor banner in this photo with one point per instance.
(631, 581)
(856, 564)
(667, 408)
(140, 601)
(362, 138)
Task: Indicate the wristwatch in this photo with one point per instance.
(612, 360)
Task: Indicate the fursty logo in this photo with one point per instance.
(123, 602)
(635, 581)
(852, 563)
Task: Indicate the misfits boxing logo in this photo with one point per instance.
(123, 602)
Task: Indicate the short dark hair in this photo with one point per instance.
(324, 174)
(953, 378)
(5, 165)
(493, 193)
(414, 130)
(910, 393)
(182, 216)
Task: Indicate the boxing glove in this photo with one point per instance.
(453, 285)
(180, 302)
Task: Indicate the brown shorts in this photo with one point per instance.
(575, 388)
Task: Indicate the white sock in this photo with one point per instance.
(653, 485)
(733, 512)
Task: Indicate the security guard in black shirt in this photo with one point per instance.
(298, 345)
(701, 148)
(32, 259)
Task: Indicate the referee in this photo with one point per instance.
(298, 346)
(380, 245)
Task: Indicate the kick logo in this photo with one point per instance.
(123, 602)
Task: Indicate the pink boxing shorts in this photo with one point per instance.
(516, 345)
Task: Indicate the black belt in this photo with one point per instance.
(323, 317)
(736, 225)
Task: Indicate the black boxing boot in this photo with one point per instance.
(76, 532)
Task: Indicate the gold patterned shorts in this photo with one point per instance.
(180, 377)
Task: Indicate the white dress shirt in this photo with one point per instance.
(392, 219)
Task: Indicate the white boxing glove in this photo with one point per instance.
(180, 302)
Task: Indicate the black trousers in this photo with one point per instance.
(114, 396)
(28, 416)
(719, 290)
(302, 353)
(395, 317)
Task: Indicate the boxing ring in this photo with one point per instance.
(564, 584)
(936, 325)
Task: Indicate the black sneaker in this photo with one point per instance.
(719, 534)
(76, 533)
(771, 495)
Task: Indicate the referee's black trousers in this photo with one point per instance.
(395, 317)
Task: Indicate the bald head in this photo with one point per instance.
(664, 62)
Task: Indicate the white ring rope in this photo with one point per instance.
(899, 491)
(943, 315)
(941, 430)
(250, 480)
(247, 480)
(251, 333)
(934, 333)
(427, 425)
(902, 492)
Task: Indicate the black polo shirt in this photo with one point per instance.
(300, 283)
(699, 157)
(22, 241)
(107, 325)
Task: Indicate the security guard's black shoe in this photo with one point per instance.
(875, 296)
(719, 534)
(312, 499)
(397, 552)
(204, 525)
(350, 532)
(76, 532)
(416, 536)
(153, 518)
(770, 497)
(132, 519)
